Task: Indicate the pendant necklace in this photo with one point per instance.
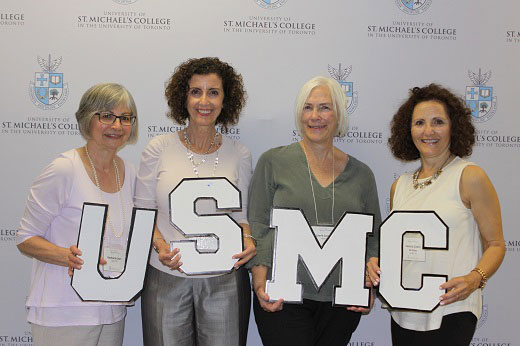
(118, 182)
(190, 153)
(428, 181)
(312, 185)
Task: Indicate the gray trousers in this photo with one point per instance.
(99, 335)
(178, 311)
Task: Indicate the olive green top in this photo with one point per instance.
(281, 179)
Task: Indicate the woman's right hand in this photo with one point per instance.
(259, 280)
(171, 259)
(373, 271)
(74, 262)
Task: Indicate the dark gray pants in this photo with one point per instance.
(99, 335)
(179, 311)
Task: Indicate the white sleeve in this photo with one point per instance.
(245, 172)
(146, 182)
(47, 196)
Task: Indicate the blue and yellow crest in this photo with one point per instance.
(48, 90)
(413, 6)
(270, 4)
(479, 97)
(341, 75)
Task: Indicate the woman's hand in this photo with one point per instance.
(248, 253)
(171, 259)
(373, 272)
(259, 280)
(74, 262)
(460, 288)
(249, 247)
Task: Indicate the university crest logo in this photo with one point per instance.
(341, 75)
(479, 97)
(483, 317)
(48, 90)
(413, 6)
(270, 4)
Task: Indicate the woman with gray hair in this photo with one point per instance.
(107, 119)
(324, 182)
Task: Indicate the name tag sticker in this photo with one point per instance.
(413, 250)
(115, 259)
(322, 233)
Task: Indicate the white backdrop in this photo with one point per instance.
(383, 47)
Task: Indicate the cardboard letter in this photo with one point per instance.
(434, 236)
(88, 282)
(346, 247)
(222, 227)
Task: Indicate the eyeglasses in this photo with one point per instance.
(108, 118)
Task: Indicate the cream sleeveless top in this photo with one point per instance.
(442, 196)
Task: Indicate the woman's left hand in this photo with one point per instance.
(459, 288)
(372, 272)
(248, 253)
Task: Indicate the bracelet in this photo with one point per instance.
(483, 277)
(250, 237)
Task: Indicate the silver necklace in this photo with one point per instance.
(190, 153)
(428, 181)
(118, 182)
(312, 185)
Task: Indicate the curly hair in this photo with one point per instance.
(462, 131)
(177, 89)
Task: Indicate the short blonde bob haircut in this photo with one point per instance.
(339, 102)
(104, 97)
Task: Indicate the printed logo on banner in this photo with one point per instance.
(483, 318)
(12, 19)
(513, 36)
(24, 339)
(413, 6)
(479, 97)
(48, 90)
(124, 2)
(412, 29)
(8, 235)
(232, 132)
(270, 4)
(387, 205)
(395, 176)
(341, 75)
(512, 245)
(123, 20)
(276, 25)
(489, 340)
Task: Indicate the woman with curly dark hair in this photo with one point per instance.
(206, 309)
(435, 126)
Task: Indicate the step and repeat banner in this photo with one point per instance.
(53, 51)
